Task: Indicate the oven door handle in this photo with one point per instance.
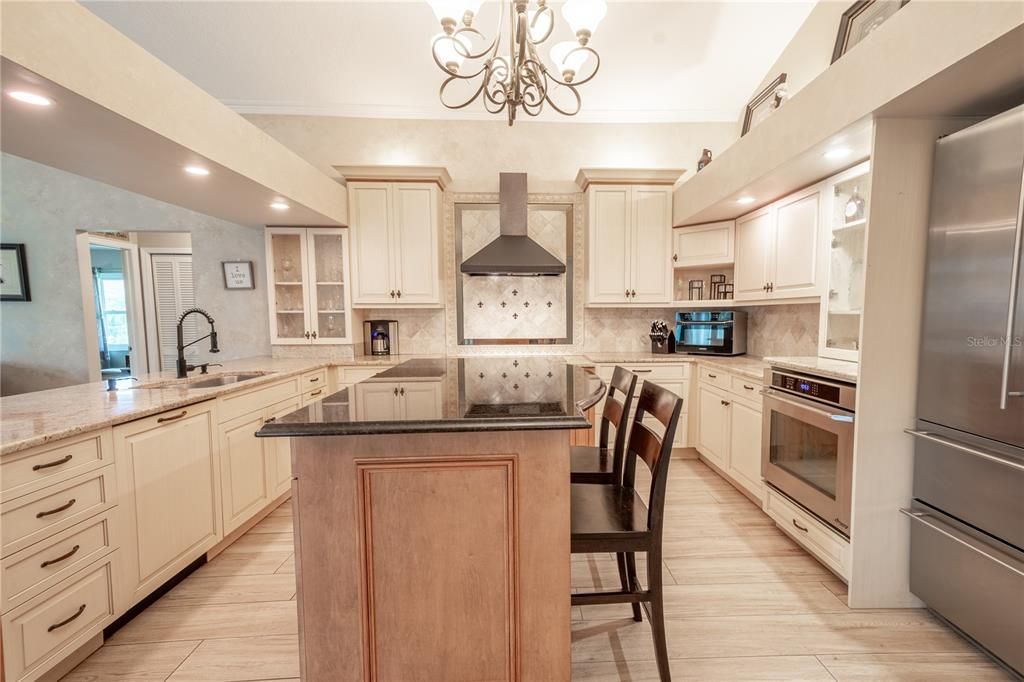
(843, 417)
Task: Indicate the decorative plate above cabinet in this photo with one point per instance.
(307, 285)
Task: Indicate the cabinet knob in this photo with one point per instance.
(314, 335)
(725, 402)
(675, 257)
(392, 293)
(401, 391)
(396, 392)
(633, 293)
(627, 293)
(307, 335)
(399, 293)
(771, 287)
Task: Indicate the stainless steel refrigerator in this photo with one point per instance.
(967, 518)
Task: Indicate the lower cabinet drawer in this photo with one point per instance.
(745, 388)
(315, 379)
(827, 546)
(238, 404)
(39, 633)
(34, 517)
(715, 377)
(34, 569)
(314, 395)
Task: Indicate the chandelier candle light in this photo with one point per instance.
(513, 76)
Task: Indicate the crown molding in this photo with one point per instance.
(628, 176)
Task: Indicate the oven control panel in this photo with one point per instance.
(803, 386)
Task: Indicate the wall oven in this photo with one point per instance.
(711, 332)
(807, 443)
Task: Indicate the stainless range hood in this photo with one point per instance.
(513, 252)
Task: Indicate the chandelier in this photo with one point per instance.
(508, 74)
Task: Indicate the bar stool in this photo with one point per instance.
(613, 517)
(590, 464)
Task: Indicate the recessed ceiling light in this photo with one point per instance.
(838, 153)
(279, 205)
(30, 98)
(196, 170)
(745, 200)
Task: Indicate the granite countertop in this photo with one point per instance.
(523, 393)
(31, 419)
(825, 367)
(750, 366)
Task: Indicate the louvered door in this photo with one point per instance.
(173, 293)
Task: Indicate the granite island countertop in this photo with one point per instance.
(520, 393)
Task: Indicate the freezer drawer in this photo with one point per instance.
(970, 582)
(950, 473)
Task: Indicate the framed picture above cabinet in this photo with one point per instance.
(308, 285)
(860, 20)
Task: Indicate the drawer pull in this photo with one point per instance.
(724, 402)
(316, 392)
(62, 557)
(314, 380)
(161, 420)
(55, 463)
(799, 527)
(79, 612)
(70, 503)
(921, 517)
(269, 419)
(642, 371)
(749, 388)
(713, 376)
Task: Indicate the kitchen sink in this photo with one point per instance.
(225, 379)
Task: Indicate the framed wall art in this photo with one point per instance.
(860, 20)
(13, 273)
(238, 274)
(766, 101)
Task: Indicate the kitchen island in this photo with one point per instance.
(431, 507)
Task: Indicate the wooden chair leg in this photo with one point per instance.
(628, 584)
(657, 615)
(634, 584)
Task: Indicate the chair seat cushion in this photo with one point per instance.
(587, 459)
(606, 512)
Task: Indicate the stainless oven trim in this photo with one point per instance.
(835, 512)
(847, 392)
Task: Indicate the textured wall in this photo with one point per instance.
(42, 341)
(476, 151)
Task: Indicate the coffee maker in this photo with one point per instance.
(380, 337)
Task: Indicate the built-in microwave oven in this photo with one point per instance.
(711, 332)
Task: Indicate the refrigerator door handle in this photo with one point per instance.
(1011, 315)
(963, 448)
(936, 525)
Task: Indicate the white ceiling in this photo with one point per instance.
(661, 61)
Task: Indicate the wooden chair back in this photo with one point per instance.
(653, 450)
(623, 384)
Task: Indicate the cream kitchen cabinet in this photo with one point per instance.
(672, 376)
(396, 244)
(700, 245)
(308, 285)
(169, 482)
(729, 427)
(778, 249)
(629, 244)
(244, 470)
(278, 451)
(391, 400)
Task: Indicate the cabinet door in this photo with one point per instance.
(370, 208)
(421, 400)
(288, 295)
(753, 243)
(608, 265)
(245, 488)
(710, 244)
(745, 447)
(377, 402)
(170, 500)
(278, 451)
(416, 263)
(714, 425)
(327, 249)
(794, 268)
(651, 265)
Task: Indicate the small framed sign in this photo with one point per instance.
(860, 20)
(238, 274)
(13, 273)
(766, 101)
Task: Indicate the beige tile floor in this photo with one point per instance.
(743, 603)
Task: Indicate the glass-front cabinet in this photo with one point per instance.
(307, 275)
(842, 304)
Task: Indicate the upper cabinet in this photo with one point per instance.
(778, 247)
(307, 275)
(846, 220)
(629, 244)
(698, 245)
(396, 237)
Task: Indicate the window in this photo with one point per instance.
(113, 310)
